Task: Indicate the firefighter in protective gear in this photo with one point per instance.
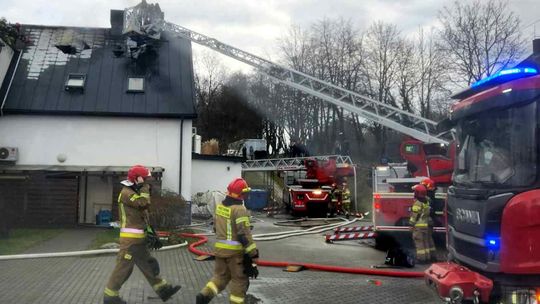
(133, 202)
(420, 213)
(234, 243)
(334, 205)
(346, 199)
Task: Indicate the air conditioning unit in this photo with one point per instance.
(8, 154)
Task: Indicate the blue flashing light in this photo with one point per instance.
(516, 72)
(492, 242)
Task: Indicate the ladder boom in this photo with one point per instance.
(402, 121)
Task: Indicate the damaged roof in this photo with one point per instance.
(56, 52)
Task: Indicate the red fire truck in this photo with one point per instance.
(316, 192)
(393, 197)
(493, 204)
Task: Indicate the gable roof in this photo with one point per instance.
(38, 85)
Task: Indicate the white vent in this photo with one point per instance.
(8, 154)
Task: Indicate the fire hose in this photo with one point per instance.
(74, 253)
(354, 270)
(285, 234)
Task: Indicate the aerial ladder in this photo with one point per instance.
(147, 19)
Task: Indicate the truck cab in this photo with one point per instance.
(493, 205)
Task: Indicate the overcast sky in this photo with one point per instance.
(251, 25)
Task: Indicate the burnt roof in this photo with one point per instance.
(39, 83)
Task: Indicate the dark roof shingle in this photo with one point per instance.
(38, 86)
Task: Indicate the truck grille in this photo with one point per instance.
(473, 251)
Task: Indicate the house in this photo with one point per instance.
(221, 168)
(79, 108)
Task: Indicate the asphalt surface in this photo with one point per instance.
(81, 280)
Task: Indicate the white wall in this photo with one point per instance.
(100, 196)
(186, 160)
(213, 175)
(101, 141)
(6, 53)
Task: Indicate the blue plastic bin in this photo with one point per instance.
(257, 199)
(103, 217)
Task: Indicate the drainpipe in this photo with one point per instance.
(181, 156)
(10, 82)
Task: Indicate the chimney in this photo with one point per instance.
(117, 22)
(536, 46)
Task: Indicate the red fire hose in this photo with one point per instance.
(329, 268)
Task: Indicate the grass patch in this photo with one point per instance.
(104, 237)
(22, 239)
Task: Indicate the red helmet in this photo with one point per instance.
(237, 188)
(420, 191)
(136, 171)
(429, 184)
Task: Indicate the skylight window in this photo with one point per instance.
(75, 82)
(135, 85)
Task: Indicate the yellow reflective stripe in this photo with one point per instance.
(243, 219)
(416, 208)
(250, 248)
(235, 299)
(159, 285)
(228, 246)
(229, 230)
(420, 225)
(145, 195)
(132, 235)
(212, 286)
(111, 293)
(122, 216)
(135, 196)
(223, 211)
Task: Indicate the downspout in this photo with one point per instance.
(181, 158)
(10, 82)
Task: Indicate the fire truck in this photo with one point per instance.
(493, 205)
(318, 193)
(392, 193)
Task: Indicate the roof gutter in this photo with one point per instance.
(10, 82)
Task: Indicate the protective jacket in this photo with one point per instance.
(233, 229)
(346, 195)
(132, 207)
(420, 214)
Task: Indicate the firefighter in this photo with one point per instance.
(346, 199)
(431, 187)
(335, 195)
(420, 214)
(235, 251)
(133, 202)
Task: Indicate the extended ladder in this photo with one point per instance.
(295, 163)
(402, 121)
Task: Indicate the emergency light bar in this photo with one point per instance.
(513, 73)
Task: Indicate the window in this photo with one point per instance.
(75, 82)
(411, 149)
(135, 85)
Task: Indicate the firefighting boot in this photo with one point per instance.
(113, 300)
(167, 291)
(202, 299)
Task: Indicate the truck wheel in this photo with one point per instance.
(317, 211)
(383, 242)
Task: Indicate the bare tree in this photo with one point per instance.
(431, 90)
(480, 37)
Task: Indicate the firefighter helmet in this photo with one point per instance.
(237, 188)
(420, 191)
(136, 171)
(429, 184)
